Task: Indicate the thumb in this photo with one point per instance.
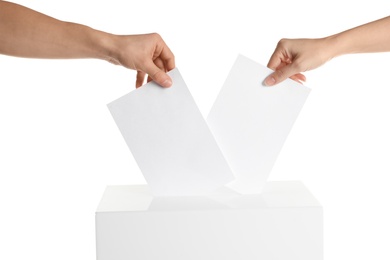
(159, 76)
(281, 74)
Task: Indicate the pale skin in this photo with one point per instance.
(30, 34)
(294, 56)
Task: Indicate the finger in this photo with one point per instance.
(293, 77)
(275, 60)
(158, 75)
(297, 79)
(301, 77)
(140, 79)
(160, 64)
(168, 58)
(281, 74)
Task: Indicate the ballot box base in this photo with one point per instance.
(284, 222)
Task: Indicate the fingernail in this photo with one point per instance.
(167, 83)
(270, 81)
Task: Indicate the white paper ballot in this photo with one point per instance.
(170, 140)
(251, 121)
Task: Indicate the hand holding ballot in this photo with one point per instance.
(30, 34)
(293, 56)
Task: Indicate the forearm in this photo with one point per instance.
(370, 37)
(30, 34)
(27, 33)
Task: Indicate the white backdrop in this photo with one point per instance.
(59, 146)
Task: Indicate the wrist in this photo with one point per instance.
(332, 47)
(104, 45)
(339, 45)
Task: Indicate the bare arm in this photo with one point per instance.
(27, 33)
(370, 37)
(293, 56)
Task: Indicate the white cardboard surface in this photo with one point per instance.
(276, 194)
(170, 139)
(251, 121)
(284, 222)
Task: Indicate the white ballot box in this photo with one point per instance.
(284, 222)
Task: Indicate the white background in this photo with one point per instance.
(59, 146)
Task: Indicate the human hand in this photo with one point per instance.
(147, 54)
(293, 56)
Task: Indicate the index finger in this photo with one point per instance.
(275, 60)
(167, 57)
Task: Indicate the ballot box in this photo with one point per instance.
(284, 222)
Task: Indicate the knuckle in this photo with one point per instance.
(156, 35)
(155, 74)
(279, 74)
(282, 41)
(171, 59)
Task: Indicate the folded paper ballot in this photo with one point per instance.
(170, 140)
(251, 121)
(179, 154)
